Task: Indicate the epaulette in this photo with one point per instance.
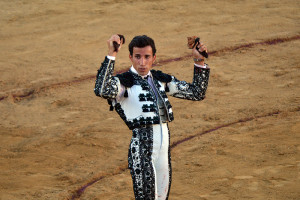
(162, 77)
(126, 79)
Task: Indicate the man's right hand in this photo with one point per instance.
(111, 48)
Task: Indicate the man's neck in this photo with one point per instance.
(143, 76)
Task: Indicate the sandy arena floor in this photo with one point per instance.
(59, 141)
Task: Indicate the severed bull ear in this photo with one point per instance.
(116, 45)
(191, 42)
(194, 41)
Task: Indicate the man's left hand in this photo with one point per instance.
(197, 55)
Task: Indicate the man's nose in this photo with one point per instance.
(142, 61)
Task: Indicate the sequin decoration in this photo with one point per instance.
(140, 165)
(106, 84)
(193, 91)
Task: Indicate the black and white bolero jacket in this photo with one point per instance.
(134, 99)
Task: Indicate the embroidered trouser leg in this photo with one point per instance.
(149, 162)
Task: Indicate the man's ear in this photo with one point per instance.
(130, 57)
(154, 57)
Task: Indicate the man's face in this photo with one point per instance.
(142, 59)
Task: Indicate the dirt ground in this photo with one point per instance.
(59, 141)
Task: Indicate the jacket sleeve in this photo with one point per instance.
(107, 86)
(191, 91)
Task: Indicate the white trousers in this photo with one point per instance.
(160, 160)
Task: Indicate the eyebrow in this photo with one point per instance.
(137, 54)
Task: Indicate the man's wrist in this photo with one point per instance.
(112, 53)
(199, 61)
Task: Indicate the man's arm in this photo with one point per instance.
(197, 89)
(108, 86)
(191, 91)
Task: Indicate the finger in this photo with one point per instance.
(120, 44)
(203, 48)
(118, 39)
(195, 47)
(200, 45)
(115, 38)
(110, 40)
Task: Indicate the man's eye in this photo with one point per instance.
(138, 57)
(147, 56)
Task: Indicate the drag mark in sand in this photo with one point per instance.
(28, 92)
(77, 193)
(80, 191)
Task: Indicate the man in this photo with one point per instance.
(140, 98)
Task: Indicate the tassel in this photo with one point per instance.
(126, 93)
(111, 108)
(167, 88)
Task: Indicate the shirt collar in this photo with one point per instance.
(134, 71)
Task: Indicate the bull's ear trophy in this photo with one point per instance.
(194, 41)
(116, 45)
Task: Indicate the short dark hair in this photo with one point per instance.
(141, 41)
